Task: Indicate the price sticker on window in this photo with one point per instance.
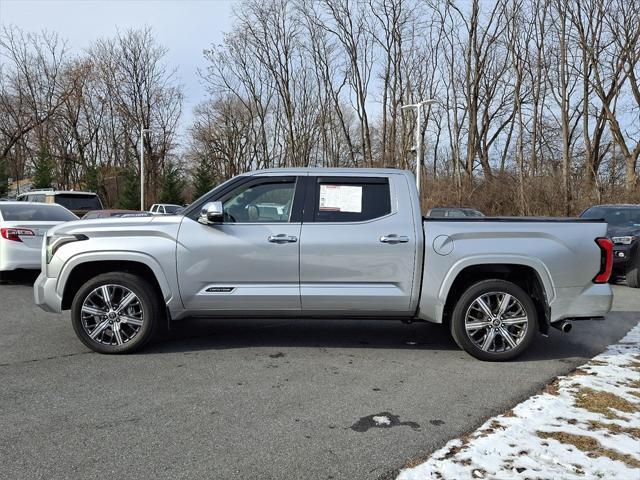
(340, 198)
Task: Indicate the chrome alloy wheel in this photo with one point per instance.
(496, 322)
(112, 315)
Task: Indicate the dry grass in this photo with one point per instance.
(496, 425)
(614, 428)
(604, 403)
(465, 439)
(499, 195)
(598, 363)
(414, 462)
(580, 371)
(634, 384)
(552, 388)
(591, 446)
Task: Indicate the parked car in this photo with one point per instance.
(112, 213)
(352, 244)
(165, 209)
(80, 203)
(136, 214)
(624, 230)
(22, 227)
(441, 212)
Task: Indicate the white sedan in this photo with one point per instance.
(22, 227)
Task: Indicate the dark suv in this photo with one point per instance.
(624, 230)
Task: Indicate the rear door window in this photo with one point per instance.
(344, 199)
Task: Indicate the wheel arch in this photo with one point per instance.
(77, 272)
(531, 280)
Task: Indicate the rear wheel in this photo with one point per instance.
(116, 312)
(494, 320)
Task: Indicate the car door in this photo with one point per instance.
(357, 250)
(250, 262)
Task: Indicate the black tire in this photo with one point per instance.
(459, 331)
(149, 301)
(633, 275)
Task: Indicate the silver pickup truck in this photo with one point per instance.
(329, 243)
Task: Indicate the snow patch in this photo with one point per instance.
(381, 420)
(517, 445)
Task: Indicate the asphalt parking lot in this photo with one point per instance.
(256, 399)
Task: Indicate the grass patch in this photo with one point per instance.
(496, 425)
(598, 363)
(613, 428)
(414, 462)
(634, 384)
(552, 388)
(591, 446)
(597, 401)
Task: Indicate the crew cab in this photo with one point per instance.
(328, 243)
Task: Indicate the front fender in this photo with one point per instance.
(115, 255)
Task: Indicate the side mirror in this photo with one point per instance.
(211, 213)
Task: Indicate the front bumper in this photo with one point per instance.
(45, 295)
(623, 257)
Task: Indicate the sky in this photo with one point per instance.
(185, 27)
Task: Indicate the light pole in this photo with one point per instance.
(142, 132)
(418, 147)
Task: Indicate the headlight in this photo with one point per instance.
(623, 240)
(55, 241)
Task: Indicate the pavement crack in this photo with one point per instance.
(35, 360)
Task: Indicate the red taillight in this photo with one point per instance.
(606, 260)
(15, 233)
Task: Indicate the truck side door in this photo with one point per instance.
(250, 262)
(358, 246)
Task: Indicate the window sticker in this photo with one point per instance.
(340, 198)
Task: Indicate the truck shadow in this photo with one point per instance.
(587, 339)
(204, 334)
(19, 277)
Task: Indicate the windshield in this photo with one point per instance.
(74, 201)
(30, 212)
(620, 217)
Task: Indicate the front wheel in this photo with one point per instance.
(115, 312)
(494, 320)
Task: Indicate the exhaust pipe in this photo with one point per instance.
(564, 326)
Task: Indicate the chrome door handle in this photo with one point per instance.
(393, 238)
(282, 238)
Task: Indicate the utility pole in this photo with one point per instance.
(418, 145)
(142, 132)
